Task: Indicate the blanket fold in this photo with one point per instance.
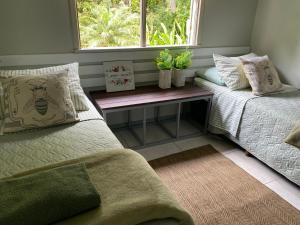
(294, 136)
(47, 196)
(131, 192)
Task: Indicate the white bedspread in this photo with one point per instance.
(39, 147)
(228, 106)
(261, 126)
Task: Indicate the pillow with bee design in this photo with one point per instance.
(262, 75)
(34, 101)
(76, 92)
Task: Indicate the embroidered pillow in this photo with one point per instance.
(231, 71)
(262, 75)
(76, 92)
(35, 101)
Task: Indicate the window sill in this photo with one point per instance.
(129, 49)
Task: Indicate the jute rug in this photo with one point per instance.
(217, 192)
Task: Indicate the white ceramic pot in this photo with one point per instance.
(178, 78)
(165, 77)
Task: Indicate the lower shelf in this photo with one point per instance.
(157, 133)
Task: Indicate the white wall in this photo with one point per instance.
(35, 26)
(276, 32)
(227, 22)
(44, 26)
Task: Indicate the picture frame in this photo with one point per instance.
(119, 76)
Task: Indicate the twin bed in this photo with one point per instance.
(258, 124)
(39, 147)
(81, 142)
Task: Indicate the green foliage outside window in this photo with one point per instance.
(108, 23)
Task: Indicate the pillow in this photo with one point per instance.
(34, 101)
(262, 75)
(231, 71)
(77, 94)
(211, 74)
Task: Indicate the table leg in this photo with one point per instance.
(144, 126)
(178, 120)
(157, 114)
(104, 116)
(128, 119)
(209, 103)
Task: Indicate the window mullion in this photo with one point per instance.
(143, 9)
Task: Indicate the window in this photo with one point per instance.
(137, 23)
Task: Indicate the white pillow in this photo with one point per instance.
(34, 101)
(262, 75)
(76, 92)
(231, 70)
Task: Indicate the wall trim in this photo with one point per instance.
(91, 63)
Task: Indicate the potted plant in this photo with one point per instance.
(181, 63)
(165, 64)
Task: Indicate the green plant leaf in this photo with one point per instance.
(183, 60)
(165, 60)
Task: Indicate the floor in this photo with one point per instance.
(287, 190)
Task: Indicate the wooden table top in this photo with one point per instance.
(145, 95)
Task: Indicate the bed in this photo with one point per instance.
(34, 149)
(258, 124)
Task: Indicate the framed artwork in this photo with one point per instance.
(119, 76)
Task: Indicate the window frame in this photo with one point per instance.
(143, 45)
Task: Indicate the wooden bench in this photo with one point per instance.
(146, 97)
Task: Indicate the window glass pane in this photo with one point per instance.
(167, 22)
(109, 23)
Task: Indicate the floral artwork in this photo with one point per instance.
(119, 76)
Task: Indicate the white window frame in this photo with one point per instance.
(197, 8)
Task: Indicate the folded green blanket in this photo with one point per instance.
(294, 136)
(46, 197)
(131, 192)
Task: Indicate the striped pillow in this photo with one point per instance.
(34, 101)
(231, 71)
(76, 92)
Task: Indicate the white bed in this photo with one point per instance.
(259, 124)
(31, 149)
(36, 148)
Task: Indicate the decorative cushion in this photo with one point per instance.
(231, 71)
(211, 74)
(77, 94)
(34, 101)
(262, 75)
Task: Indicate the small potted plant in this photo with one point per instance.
(181, 63)
(165, 64)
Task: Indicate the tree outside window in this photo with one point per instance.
(116, 23)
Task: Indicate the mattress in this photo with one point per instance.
(262, 125)
(39, 147)
(31, 149)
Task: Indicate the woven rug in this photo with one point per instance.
(217, 192)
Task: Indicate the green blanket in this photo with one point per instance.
(131, 192)
(294, 137)
(47, 197)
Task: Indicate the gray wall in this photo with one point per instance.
(227, 22)
(276, 32)
(35, 26)
(44, 26)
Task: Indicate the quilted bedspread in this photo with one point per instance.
(36, 148)
(260, 125)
